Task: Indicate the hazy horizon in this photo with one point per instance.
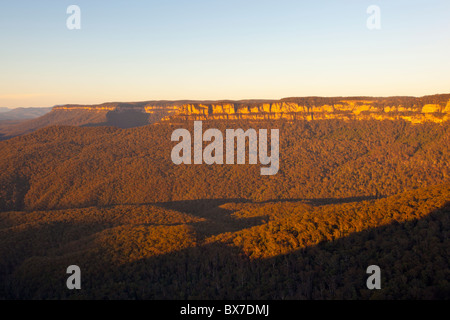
(206, 100)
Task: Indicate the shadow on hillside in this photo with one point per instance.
(193, 206)
(326, 201)
(220, 220)
(124, 120)
(217, 220)
(413, 257)
(127, 119)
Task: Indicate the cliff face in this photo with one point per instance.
(416, 110)
(434, 108)
(345, 109)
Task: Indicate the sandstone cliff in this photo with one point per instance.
(434, 108)
(415, 110)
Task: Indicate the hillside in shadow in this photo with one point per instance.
(152, 252)
(348, 195)
(124, 119)
(413, 257)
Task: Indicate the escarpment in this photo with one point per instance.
(416, 110)
(435, 108)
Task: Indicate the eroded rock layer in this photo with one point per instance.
(434, 108)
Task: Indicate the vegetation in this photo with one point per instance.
(67, 167)
(348, 195)
(304, 252)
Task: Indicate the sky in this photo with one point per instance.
(138, 50)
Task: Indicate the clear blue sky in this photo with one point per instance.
(220, 49)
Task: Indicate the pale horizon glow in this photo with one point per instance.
(220, 49)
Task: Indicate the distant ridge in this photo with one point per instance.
(432, 108)
(23, 113)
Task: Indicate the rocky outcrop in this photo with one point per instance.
(416, 110)
(344, 109)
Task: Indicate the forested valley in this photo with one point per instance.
(348, 194)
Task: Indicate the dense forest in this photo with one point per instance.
(289, 250)
(66, 167)
(347, 195)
